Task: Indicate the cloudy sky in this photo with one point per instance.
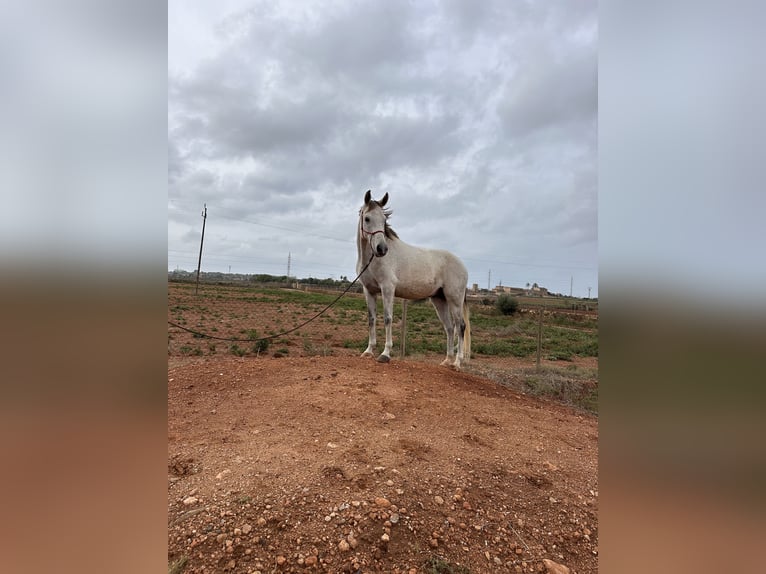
(479, 119)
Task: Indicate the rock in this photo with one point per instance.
(310, 560)
(438, 500)
(221, 474)
(261, 521)
(389, 416)
(555, 568)
(230, 565)
(394, 518)
(385, 538)
(332, 445)
(281, 560)
(246, 529)
(344, 546)
(191, 500)
(433, 543)
(353, 542)
(384, 502)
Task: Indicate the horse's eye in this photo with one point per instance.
(366, 219)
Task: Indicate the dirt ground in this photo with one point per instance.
(341, 464)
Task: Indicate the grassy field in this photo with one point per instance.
(247, 313)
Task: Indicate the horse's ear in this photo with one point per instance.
(384, 199)
(367, 196)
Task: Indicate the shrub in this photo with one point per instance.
(507, 304)
(261, 346)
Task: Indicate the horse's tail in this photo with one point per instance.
(467, 333)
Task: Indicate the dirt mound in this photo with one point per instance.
(341, 464)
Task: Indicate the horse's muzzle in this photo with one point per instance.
(381, 249)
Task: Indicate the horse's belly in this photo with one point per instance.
(415, 290)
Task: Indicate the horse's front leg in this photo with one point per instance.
(372, 309)
(388, 317)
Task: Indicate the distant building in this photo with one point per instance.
(534, 291)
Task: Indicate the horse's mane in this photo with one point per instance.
(388, 231)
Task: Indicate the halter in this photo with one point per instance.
(368, 233)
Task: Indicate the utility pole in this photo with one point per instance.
(571, 281)
(588, 292)
(289, 256)
(489, 278)
(199, 262)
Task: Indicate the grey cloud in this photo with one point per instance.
(552, 94)
(477, 118)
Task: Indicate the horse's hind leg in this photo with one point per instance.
(442, 310)
(372, 309)
(460, 327)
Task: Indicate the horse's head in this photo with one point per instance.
(372, 223)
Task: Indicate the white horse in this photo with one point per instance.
(397, 269)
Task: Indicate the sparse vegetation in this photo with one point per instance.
(246, 312)
(190, 351)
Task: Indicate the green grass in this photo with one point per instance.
(565, 335)
(499, 335)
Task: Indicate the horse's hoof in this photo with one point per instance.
(446, 363)
(366, 354)
(384, 359)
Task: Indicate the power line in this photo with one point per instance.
(284, 228)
